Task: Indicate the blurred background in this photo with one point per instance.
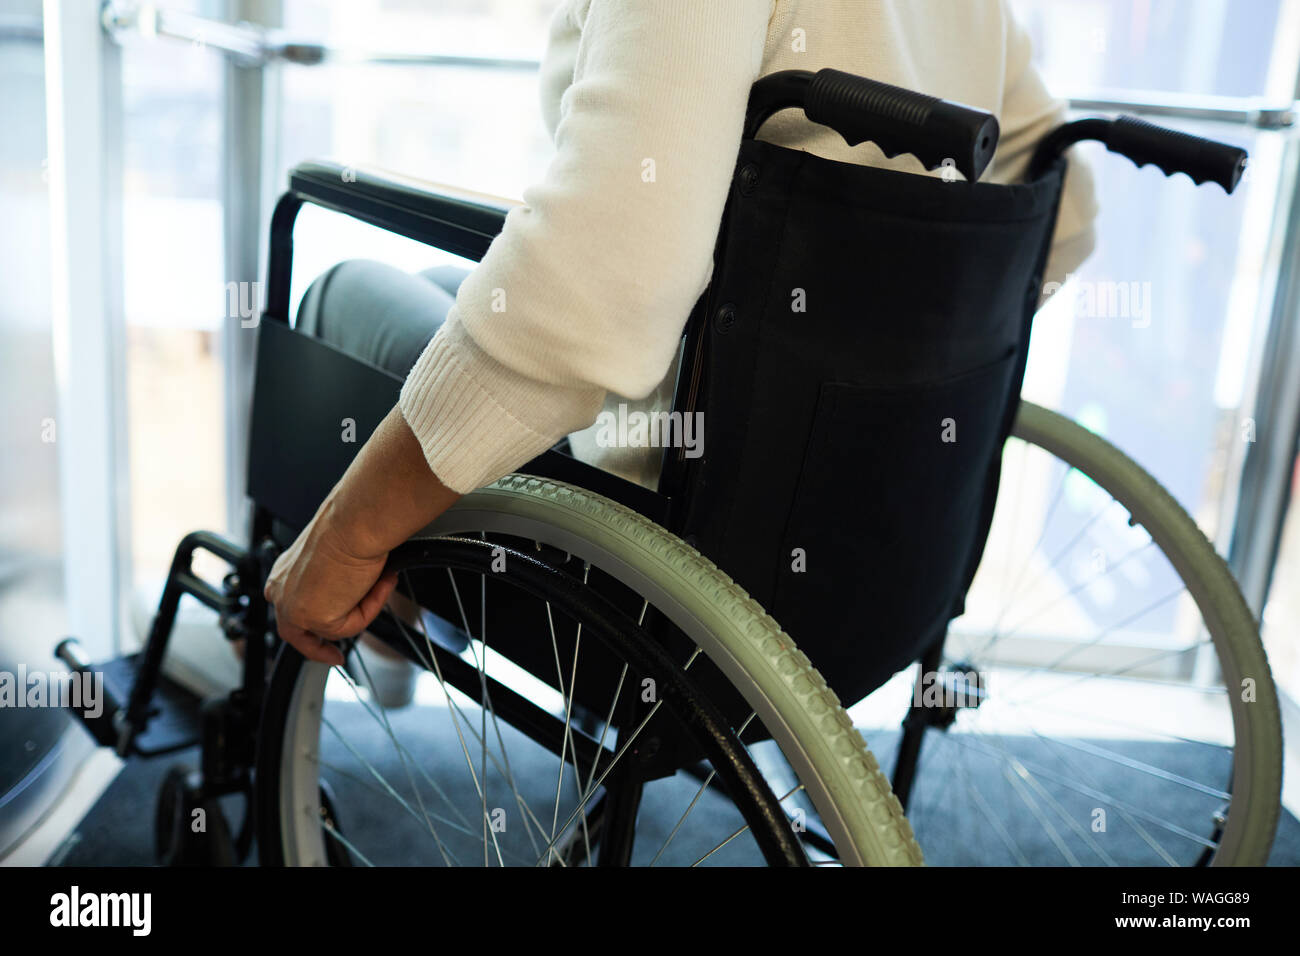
(125, 393)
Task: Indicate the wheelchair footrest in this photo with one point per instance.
(173, 721)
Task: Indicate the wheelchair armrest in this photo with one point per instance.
(457, 220)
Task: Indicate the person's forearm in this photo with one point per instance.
(388, 492)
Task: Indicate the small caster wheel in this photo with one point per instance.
(190, 830)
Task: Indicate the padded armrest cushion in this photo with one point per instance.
(459, 221)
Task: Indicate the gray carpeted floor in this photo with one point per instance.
(975, 802)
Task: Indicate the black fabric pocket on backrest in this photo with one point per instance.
(892, 485)
(850, 311)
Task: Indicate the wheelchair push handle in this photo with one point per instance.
(903, 121)
(1172, 151)
(938, 132)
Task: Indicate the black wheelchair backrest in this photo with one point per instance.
(863, 343)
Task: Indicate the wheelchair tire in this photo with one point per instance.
(1100, 702)
(1247, 834)
(845, 784)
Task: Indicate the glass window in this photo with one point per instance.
(474, 127)
(1155, 342)
(31, 568)
(1210, 47)
(477, 127)
(173, 291)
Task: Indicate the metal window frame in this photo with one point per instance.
(1265, 485)
(249, 148)
(84, 118)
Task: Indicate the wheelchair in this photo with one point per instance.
(616, 675)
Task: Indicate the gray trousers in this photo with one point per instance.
(377, 312)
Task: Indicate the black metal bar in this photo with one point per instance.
(688, 394)
(914, 728)
(575, 850)
(778, 91)
(101, 727)
(149, 753)
(458, 221)
(180, 581)
(1054, 144)
(623, 791)
(215, 544)
(191, 584)
(1171, 151)
(257, 616)
(279, 273)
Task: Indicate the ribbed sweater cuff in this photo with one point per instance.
(477, 419)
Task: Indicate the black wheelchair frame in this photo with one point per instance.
(147, 715)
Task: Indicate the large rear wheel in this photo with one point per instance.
(592, 691)
(1105, 699)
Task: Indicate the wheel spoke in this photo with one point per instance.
(334, 832)
(983, 806)
(744, 828)
(1013, 771)
(469, 761)
(696, 799)
(1011, 543)
(457, 716)
(432, 783)
(1057, 498)
(568, 720)
(1109, 721)
(532, 707)
(1087, 791)
(483, 710)
(1128, 818)
(1110, 569)
(341, 771)
(582, 801)
(995, 637)
(401, 751)
(383, 781)
(1118, 672)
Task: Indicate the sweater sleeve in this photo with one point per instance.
(1029, 112)
(588, 286)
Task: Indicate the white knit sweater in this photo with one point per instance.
(587, 288)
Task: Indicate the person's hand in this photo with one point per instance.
(326, 588)
(330, 584)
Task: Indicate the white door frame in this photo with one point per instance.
(83, 89)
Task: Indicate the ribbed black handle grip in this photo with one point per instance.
(903, 121)
(1172, 151)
